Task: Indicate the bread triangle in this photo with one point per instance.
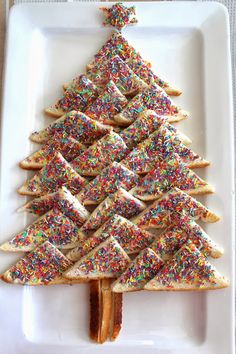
(108, 103)
(99, 155)
(131, 238)
(168, 173)
(55, 174)
(142, 269)
(146, 123)
(44, 265)
(66, 145)
(118, 45)
(78, 97)
(162, 142)
(189, 269)
(163, 210)
(107, 260)
(62, 200)
(151, 98)
(107, 182)
(121, 202)
(77, 125)
(53, 226)
(182, 229)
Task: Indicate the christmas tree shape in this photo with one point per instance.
(107, 260)
(118, 45)
(131, 238)
(77, 125)
(99, 155)
(53, 226)
(189, 269)
(151, 98)
(119, 16)
(121, 202)
(107, 182)
(110, 102)
(69, 147)
(142, 269)
(182, 229)
(55, 174)
(144, 157)
(147, 123)
(77, 98)
(62, 200)
(42, 266)
(163, 210)
(168, 173)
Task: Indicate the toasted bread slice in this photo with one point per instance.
(121, 202)
(119, 72)
(44, 265)
(152, 98)
(69, 147)
(168, 173)
(142, 269)
(182, 229)
(131, 238)
(55, 174)
(163, 210)
(119, 16)
(62, 200)
(189, 269)
(107, 260)
(76, 97)
(108, 103)
(107, 182)
(53, 226)
(77, 125)
(116, 316)
(146, 123)
(99, 155)
(164, 143)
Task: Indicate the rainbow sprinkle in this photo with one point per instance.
(119, 15)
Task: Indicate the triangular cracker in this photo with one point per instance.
(162, 211)
(44, 265)
(151, 98)
(77, 125)
(99, 155)
(53, 226)
(55, 174)
(119, 15)
(107, 260)
(169, 173)
(107, 182)
(110, 102)
(69, 147)
(189, 269)
(131, 238)
(163, 142)
(146, 123)
(121, 202)
(62, 200)
(142, 269)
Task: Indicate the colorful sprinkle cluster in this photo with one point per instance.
(121, 202)
(119, 16)
(152, 98)
(145, 266)
(55, 174)
(119, 72)
(40, 266)
(107, 182)
(75, 124)
(78, 96)
(107, 105)
(99, 155)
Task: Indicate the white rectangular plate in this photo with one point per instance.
(188, 45)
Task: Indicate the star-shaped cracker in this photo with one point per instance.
(119, 16)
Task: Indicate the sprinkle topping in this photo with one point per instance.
(119, 15)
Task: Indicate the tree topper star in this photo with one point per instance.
(119, 15)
